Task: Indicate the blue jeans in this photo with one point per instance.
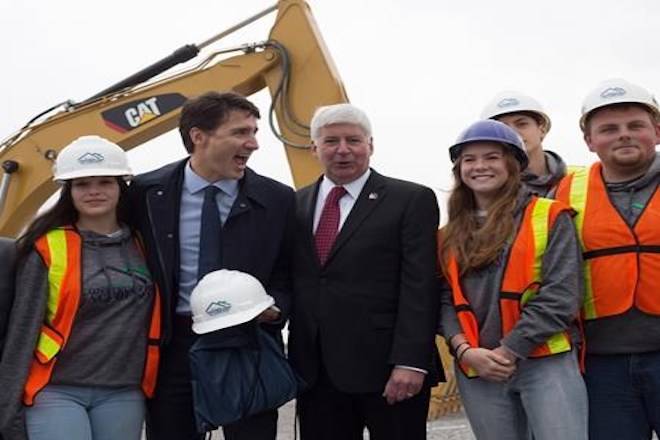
(84, 413)
(624, 395)
(545, 397)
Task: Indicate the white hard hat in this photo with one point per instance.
(225, 298)
(90, 156)
(514, 102)
(617, 91)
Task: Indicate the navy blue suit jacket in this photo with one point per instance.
(257, 235)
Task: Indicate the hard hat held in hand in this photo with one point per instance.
(514, 102)
(226, 298)
(490, 130)
(90, 156)
(617, 91)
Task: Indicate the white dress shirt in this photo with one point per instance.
(346, 203)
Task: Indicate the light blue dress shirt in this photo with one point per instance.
(190, 220)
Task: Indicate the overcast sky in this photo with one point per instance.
(422, 69)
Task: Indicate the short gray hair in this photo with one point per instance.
(339, 114)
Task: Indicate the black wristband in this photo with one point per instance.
(462, 353)
(458, 347)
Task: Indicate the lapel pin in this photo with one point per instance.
(373, 196)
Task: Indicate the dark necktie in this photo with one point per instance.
(210, 234)
(326, 231)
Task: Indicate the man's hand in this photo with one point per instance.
(269, 315)
(489, 364)
(403, 384)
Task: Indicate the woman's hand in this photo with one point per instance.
(489, 364)
(505, 353)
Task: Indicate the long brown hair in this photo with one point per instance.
(64, 213)
(474, 243)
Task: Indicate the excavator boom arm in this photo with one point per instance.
(294, 64)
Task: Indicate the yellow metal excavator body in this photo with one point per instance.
(293, 63)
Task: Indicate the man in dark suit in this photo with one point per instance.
(173, 208)
(365, 300)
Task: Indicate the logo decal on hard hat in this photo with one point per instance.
(218, 307)
(612, 92)
(88, 158)
(508, 102)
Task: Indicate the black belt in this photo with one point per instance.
(637, 249)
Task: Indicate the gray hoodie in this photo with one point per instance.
(632, 331)
(108, 339)
(107, 346)
(552, 310)
(542, 185)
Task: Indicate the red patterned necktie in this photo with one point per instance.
(326, 231)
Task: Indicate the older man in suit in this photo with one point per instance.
(365, 300)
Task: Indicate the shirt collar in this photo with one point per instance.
(193, 182)
(352, 188)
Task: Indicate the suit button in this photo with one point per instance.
(159, 193)
(170, 235)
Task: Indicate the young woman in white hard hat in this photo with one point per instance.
(82, 343)
(526, 115)
(511, 265)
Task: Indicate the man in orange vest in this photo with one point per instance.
(618, 224)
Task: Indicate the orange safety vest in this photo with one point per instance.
(61, 251)
(621, 263)
(521, 281)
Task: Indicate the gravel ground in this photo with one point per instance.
(452, 427)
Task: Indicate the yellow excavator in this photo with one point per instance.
(293, 63)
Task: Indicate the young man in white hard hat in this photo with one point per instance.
(526, 115)
(618, 224)
(207, 212)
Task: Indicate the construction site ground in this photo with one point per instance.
(448, 427)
